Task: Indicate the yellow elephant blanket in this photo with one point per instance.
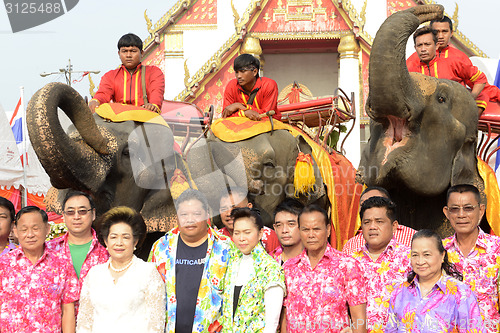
(117, 112)
(337, 172)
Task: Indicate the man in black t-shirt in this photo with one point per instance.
(192, 260)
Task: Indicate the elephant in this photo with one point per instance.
(423, 130)
(264, 164)
(113, 161)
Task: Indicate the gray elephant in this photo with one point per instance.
(264, 164)
(120, 163)
(423, 130)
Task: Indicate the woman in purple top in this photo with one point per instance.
(433, 299)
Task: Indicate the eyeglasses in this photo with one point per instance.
(81, 212)
(466, 209)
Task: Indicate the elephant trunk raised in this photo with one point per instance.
(388, 71)
(59, 153)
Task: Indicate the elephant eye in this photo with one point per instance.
(269, 164)
(126, 152)
(441, 99)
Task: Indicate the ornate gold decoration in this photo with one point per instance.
(186, 74)
(148, 22)
(219, 96)
(218, 109)
(295, 10)
(218, 83)
(230, 70)
(267, 17)
(455, 18)
(235, 15)
(284, 93)
(362, 15)
(254, 5)
(168, 18)
(304, 35)
(207, 96)
(212, 65)
(185, 27)
(251, 45)
(347, 7)
(92, 86)
(348, 47)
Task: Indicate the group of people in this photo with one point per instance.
(435, 57)
(200, 280)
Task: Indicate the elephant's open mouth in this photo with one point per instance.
(396, 135)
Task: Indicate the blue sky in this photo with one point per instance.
(88, 35)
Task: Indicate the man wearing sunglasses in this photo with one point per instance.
(474, 252)
(79, 245)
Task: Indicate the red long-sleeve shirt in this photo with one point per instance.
(451, 63)
(265, 100)
(119, 86)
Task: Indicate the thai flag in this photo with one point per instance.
(497, 162)
(16, 123)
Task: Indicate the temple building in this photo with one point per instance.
(320, 44)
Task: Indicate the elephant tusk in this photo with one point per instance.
(269, 114)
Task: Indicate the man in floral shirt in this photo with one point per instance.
(192, 260)
(323, 283)
(474, 253)
(383, 261)
(79, 245)
(38, 287)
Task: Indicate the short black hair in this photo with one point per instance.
(312, 209)
(445, 19)
(463, 188)
(376, 188)
(246, 61)
(379, 202)
(31, 209)
(245, 212)
(128, 40)
(7, 204)
(122, 214)
(72, 194)
(424, 31)
(191, 194)
(290, 205)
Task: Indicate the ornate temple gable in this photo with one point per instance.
(168, 19)
(298, 16)
(319, 19)
(155, 56)
(201, 15)
(459, 39)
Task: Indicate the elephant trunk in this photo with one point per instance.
(391, 88)
(69, 162)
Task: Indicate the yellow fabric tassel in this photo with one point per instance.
(178, 184)
(303, 178)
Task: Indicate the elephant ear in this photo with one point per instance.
(464, 169)
(319, 189)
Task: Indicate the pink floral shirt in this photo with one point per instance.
(31, 296)
(317, 299)
(382, 276)
(97, 254)
(481, 270)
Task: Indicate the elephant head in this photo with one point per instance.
(111, 161)
(264, 164)
(423, 130)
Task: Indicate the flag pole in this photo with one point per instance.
(25, 153)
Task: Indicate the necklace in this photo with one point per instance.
(118, 270)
